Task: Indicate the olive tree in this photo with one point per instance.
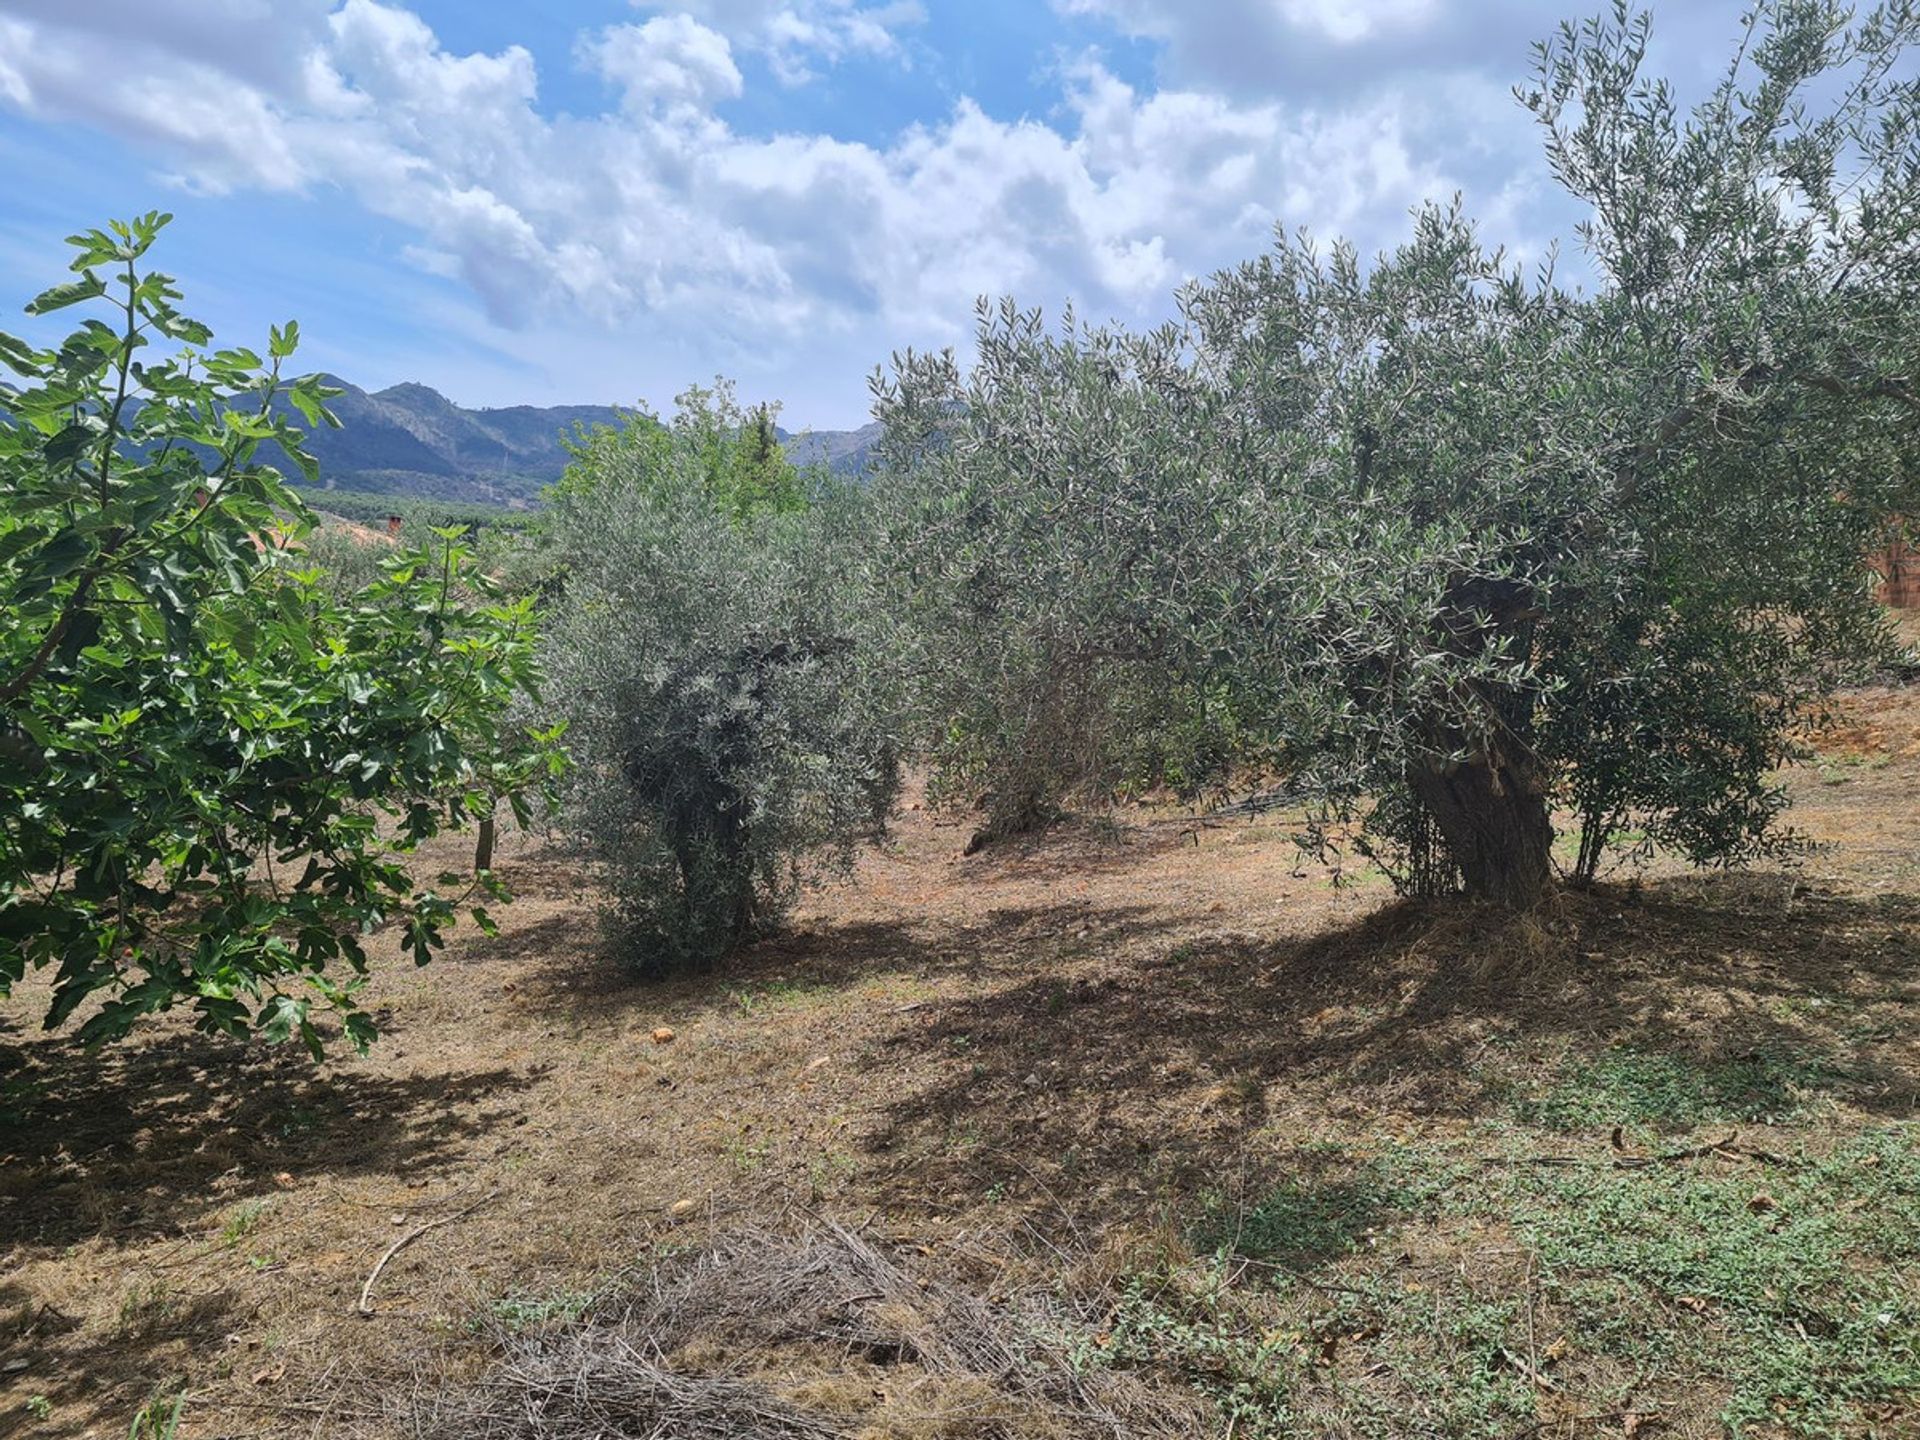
(1042, 526)
(728, 720)
(1467, 543)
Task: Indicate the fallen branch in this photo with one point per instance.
(1700, 1152)
(1530, 1371)
(365, 1306)
(1636, 1420)
(1726, 1147)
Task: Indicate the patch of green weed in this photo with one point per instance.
(518, 1312)
(146, 1307)
(1629, 1086)
(158, 1419)
(1796, 1284)
(775, 995)
(1198, 1330)
(1792, 1289)
(1302, 1222)
(1280, 1359)
(242, 1221)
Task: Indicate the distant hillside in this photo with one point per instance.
(845, 452)
(411, 440)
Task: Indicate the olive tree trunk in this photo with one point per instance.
(1493, 816)
(1490, 805)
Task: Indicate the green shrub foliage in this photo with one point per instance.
(1457, 542)
(727, 715)
(214, 768)
(1038, 541)
(347, 562)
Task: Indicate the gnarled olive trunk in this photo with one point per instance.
(1490, 805)
(1492, 813)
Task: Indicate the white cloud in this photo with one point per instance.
(1351, 20)
(672, 60)
(14, 40)
(1258, 23)
(222, 136)
(795, 34)
(784, 249)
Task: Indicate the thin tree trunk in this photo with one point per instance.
(483, 847)
(1493, 815)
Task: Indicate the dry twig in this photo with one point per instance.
(365, 1306)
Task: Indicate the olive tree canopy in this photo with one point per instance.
(1461, 541)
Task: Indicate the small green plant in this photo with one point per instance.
(158, 1420)
(751, 999)
(829, 1169)
(297, 1120)
(18, 1096)
(243, 1221)
(39, 1406)
(745, 1156)
(145, 1307)
(519, 1312)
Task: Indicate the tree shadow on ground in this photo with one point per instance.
(1076, 847)
(156, 1138)
(1101, 1079)
(566, 942)
(183, 1138)
(1010, 941)
(137, 1356)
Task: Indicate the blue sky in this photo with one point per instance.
(603, 200)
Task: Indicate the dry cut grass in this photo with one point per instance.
(1141, 1128)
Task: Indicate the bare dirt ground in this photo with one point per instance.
(1055, 1064)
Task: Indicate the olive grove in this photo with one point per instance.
(1452, 543)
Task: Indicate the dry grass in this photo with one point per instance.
(1057, 1074)
(762, 1336)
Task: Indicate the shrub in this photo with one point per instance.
(726, 711)
(214, 770)
(348, 563)
(1035, 522)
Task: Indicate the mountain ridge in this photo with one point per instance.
(410, 440)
